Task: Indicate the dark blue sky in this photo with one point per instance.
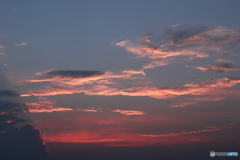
(129, 72)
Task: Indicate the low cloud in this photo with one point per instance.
(26, 143)
(20, 44)
(8, 93)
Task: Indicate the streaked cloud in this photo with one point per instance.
(216, 83)
(219, 67)
(207, 99)
(192, 41)
(226, 53)
(20, 44)
(78, 78)
(1, 49)
(70, 73)
(204, 88)
(150, 91)
(90, 110)
(208, 129)
(41, 107)
(183, 104)
(129, 112)
(173, 44)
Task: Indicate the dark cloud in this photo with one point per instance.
(7, 106)
(178, 33)
(18, 144)
(22, 144)
(73, 74)
(8, 93)
(8, 114)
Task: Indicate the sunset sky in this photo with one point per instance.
(125, 73)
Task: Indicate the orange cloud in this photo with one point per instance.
(204, 88)
(129, 112)
(44, 107)
(157, 53)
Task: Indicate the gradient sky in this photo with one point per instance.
(125, 73)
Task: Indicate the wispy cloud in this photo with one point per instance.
(207, 99)
(20, 44)
(208, 129)
(150, 91)
(41, 107)
(129, 112)
(219, 67)
(204, 88)
(78, 78)
(90, 110)
(216, 83)
(1, 48)
(193, 41)
(183, 104)
(178, 43)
